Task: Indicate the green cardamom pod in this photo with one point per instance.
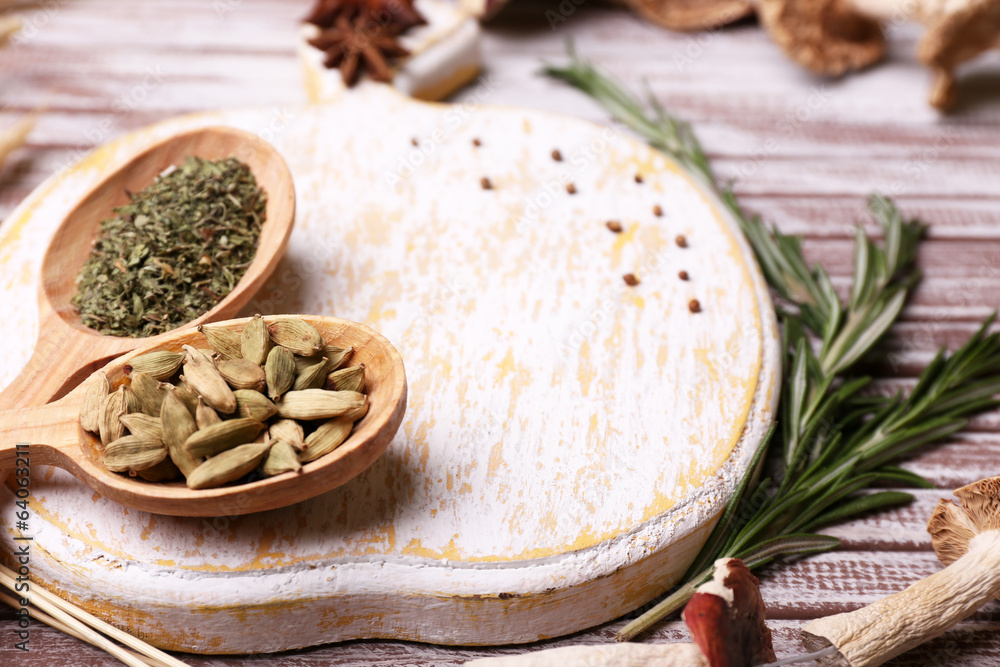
(164, 471)
(160, 364)
(254, 405)
(206, 381)
(281, 458)
(228, 466)
(242, 374)
(131, 453)
(97, 392)
(142, 424)
(255, 342)
(296, 335)
(184, 392)
(279, 371)
(224, 342)
(288, 430)
(217, 438)
(111, 427)
(206, 416)
(351, 378)
(326, 438)
(148, 391)
(311, 377)
(322, 404)
(336, 356)
(178, 425)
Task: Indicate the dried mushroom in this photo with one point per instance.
(825, 36)
(725, 617)
(954, 37)
(966, 538)
(692, 14)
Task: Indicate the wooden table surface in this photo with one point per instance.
(804, 152)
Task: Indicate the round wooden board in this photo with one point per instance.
(569, 440)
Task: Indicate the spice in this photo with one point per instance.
(207, 382)
(681, 241)
(159, 365)
(362, 35)
(614, 226)
(279, 371)
(347, 379)
(223, 342)
(190, 423)
(556, 155)
(174, 251)
(570, 188)
(658, 211)
(638, 178)
(630, 279)
(255, 341)
(683, 275)
(477, 143)
(93, 401)
(485, 183)
(694, 306)
(228, 466)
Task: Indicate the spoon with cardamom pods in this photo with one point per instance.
(231, 418)
(68, 350)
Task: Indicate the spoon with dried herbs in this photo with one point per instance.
(182, 233)
(168, 429)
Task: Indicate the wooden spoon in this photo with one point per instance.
(54, 435)
(67, 351)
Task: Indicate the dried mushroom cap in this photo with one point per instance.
(691, 14)
(726, 618)
(953, 525)
(826, 36)
(956, 33)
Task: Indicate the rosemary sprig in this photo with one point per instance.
(835, 440)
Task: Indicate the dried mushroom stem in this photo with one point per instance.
(967, 539)
(957, 31)
(607, 655)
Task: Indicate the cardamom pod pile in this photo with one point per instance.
(266, 399)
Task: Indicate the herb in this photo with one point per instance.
(174, 251)
(835, 439)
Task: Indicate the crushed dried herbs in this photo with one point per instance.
(174, 251)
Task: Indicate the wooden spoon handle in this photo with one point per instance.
(45, 435)
(63, 358)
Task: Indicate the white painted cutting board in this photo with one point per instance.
(569, 439)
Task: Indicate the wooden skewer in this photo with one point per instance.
(81, 631)
(85, 622)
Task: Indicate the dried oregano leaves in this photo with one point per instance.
(174, 251)
(207, 414)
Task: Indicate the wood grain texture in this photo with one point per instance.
(104, 67)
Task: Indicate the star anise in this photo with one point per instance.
(362, 34)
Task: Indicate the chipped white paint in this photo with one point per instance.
(568, 442)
